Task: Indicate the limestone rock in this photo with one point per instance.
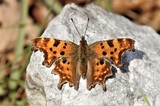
(139, 75)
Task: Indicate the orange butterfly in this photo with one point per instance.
(89, 61)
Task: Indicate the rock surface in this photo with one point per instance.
(139, 75)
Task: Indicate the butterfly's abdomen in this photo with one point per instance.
(83, 52)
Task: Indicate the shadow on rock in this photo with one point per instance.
(128, 57)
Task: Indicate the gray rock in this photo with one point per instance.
(139, 75)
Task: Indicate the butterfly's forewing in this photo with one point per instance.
(53, 49)
(113, 49)
(98, 70)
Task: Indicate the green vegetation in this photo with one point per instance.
(145, 99)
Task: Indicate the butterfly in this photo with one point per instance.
(89, 61)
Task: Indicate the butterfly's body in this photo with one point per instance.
(83, 56)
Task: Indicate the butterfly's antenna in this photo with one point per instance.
(75, 26)
(86, 27)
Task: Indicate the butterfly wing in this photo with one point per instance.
(66, 68)
(53, 49)
(64, 56)
(113, 49)
(98, 70)
(98, 67)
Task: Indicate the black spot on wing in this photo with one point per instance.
(102, 47)
(64, 61)
(111, 52)
(54, 52)
(104, 53)
(115, 49)
(65, 44)
(97, 64)
(56, 43)
(101, 61)
(110, 43)
(62, 53)
(64, 47)
(120, 40)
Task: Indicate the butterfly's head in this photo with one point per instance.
(83, 41)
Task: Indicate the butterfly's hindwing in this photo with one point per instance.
(66, 68)
(98, 70)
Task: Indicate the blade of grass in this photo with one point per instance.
(21, 34)
(54, 5)
(13, 96)
(16, 75)
(106, 3)
(26, 60)
(145, 99)
(20, 43)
